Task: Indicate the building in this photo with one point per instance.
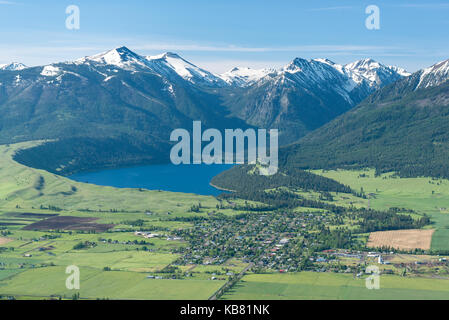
(380, 260)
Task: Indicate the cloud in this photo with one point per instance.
(8, 3)
(234, 48)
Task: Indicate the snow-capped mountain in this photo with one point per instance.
(434, 75)
(244, 76)
(14, 66)
(120, 57)
(305, 94)
(170, 64)
(373, 72)
(363, 73)
(120, 98)
(352, 81)
(172, 91)
(366, 75)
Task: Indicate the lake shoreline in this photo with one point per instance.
(219, 188)
(184, 179)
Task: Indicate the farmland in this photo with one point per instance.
(4, 240)
(423, 195)
(401, 239)
(308, 285)
(50, 282)
(34, 262)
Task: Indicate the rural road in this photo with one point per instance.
(231, 282)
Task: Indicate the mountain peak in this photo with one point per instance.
(298, 64)
(171, 55)
(164, 56)
(171, 64)
(325, 60)
(13, 66)
(367, 63)
(300, 61)
(434, 75)
(121, 57)
(122, 49)
(244, 76)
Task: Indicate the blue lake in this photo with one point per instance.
(182, 178)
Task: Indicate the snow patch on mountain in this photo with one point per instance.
(50, 71)
(244, 76)
(400, 71)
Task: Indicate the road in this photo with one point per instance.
(234, 280)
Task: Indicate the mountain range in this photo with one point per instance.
(119, 107)
(403, 127)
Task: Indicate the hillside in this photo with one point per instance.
(403, 127)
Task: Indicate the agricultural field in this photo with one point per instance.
(333, 286)
(4, 241)
(423, 195)
(36, 253)
(401, 239)
(49, 282)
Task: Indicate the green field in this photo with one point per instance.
(424, 195)
(96, 284)
(331, 286)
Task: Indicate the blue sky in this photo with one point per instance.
(218, 34)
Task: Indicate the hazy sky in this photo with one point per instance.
(218, 34)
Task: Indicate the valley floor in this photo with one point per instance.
(141, 244)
